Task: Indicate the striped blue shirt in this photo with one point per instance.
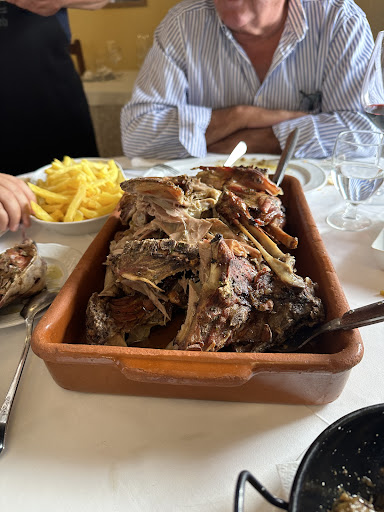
(195, 65)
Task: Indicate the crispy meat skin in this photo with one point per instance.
(154, 260)
(253, 178)
(207, 245)
(22, 272)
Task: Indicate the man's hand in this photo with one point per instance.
(15, 202)
(50, 7)
(258, 140)
(228, 121)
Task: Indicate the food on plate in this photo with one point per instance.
(209, 247)
(23, 273)
(75, 191)
(353, 503)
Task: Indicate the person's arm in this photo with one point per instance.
(158, 122)
(258, 140)
(51, 7)
(346, 61)
(251, 122)
(15, 202)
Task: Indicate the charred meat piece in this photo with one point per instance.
(144, 265)
(167, 206)
(252, 178)
(162, 188)
(221, 303)
(281, 312)
(22, 273)
(151, 260)
(242, 307)
(101, 329)
(121, 321)
(263, 207)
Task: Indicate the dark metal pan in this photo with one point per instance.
(348, 455)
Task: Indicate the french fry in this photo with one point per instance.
(75, 203)
(40, 213)
(78, 216)
(74, 191)
(47, 194)
(57, 215)
(106, 198)
(88, 214)
(50, 208)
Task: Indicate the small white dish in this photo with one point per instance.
(378, 249)
(81, 227)
(61, 260)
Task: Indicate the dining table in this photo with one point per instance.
(92, 452)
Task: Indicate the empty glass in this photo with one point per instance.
(357, 173)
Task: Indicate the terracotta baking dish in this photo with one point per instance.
(298, 378)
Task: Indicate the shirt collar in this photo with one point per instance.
(296, 20)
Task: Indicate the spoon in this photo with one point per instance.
(237, 153)
(366, 315)
(37, 304)
(285, 157)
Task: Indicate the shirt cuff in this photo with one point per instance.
(193, 123)
(309, 142)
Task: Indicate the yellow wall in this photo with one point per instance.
(120, 24)
(95, 28)
(374, 10)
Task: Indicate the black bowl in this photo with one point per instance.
(348, 455)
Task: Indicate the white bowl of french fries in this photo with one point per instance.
(76, 195)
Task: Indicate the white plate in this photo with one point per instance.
(61, 260)
(310, 175)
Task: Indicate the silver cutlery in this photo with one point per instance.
(359, 317)
(239, 150)
(236, 153)
(285, 157)
(37, 304)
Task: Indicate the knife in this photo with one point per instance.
(285, 157)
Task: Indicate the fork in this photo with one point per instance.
(37, 304)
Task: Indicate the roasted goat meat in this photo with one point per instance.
(234, 178)
(241, 305)
(221, 302)
(167, 206)
(206, 246)
(22, 273)
(118, 321)
(149, 279)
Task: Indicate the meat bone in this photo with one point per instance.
(366, 315)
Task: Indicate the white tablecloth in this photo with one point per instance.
(69, 451)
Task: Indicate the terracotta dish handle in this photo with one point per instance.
(185, 372)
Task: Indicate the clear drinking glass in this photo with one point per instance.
(357, 173)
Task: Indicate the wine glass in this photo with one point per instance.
(372, 93)
(357, 173)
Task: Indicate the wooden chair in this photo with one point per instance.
(77, 52)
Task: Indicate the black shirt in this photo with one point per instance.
(43, 109)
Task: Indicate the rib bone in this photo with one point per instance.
(282, 269)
